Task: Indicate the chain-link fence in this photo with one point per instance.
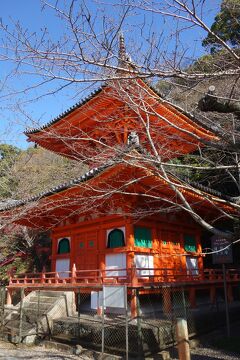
(133, 322)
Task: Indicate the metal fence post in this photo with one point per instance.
(184, 304)
(103, 322)
(139, 327)
(126, 314)
(38, 311)
(226, 299)
(3, 299)
(21, 316)
(78, 309)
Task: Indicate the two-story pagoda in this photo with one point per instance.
(128, 220)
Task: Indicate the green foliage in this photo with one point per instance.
(210, 63)
(226, 25)
(192, 174)
(8, 156)
(24, 256)
(164, 87)
(24, 173)
(18, 266)
(38, 170)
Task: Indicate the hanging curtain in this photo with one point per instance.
(143, 237)
(64, 246)
(116, 238)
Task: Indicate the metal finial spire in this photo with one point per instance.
(121, 51)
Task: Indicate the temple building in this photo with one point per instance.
(130, 219)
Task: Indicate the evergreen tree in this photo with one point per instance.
(226, 25)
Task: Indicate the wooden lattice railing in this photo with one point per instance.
(130, 277)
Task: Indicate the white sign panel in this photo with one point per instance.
(115, 262)
(62, 267)
(96, 299)
(145, 263)
(192, 266)
(114, 296)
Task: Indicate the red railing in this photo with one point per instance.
(130, 277)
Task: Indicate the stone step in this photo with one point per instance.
(67, 326)
(33, 313)
(13, 326)
(49, 293)
(36, 307)
(38, 312)
(31, 319)
(43, 299)
(13, 316)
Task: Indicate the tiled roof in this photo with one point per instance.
(65, 113)
(213, 128)
(210, 191)
(88, 175)
(95, 171)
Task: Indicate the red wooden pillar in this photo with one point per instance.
(133, 276)
(101, 274)
(212, 294)
(102, 265)
(230, 294)
(99, 306)
(167, 300)
(131, 268)
(54, 252)
(102, 255)
(134, 304)
(129, 235)
(74, 274)
(9, 296)
(192, 297)
(43, 275)
(155, 247)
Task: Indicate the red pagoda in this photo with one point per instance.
(127, 220)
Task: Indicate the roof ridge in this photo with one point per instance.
(191, 115)
(66, 112)
(64, 186)
(84, 177)
(208, 190)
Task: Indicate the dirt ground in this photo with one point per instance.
(207, 353)
(10, 351)
(204, 351)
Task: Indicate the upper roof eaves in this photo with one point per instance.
(65, 113)
(67, 185)
(214, 128)
(8, 205)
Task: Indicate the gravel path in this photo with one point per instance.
(9, 351)
(12, 352)
(208, 353)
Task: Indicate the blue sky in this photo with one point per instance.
(30, 15)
